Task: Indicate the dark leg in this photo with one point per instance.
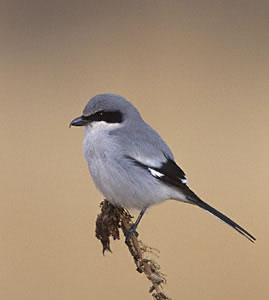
(132, 229)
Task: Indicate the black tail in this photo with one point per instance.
(225, 219)
(171, 174)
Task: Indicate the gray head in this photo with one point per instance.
(109, 108)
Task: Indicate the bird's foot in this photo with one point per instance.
(130, 232)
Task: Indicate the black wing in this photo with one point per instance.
(171, 174)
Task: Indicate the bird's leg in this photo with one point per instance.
(132, 229)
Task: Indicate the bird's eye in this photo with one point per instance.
(106, 116)
(99, 116)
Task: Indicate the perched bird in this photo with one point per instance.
(130, 163)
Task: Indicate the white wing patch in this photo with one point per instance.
(155, 173)
(184, 180)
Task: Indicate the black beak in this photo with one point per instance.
(80, 121)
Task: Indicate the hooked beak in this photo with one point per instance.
(79, 122)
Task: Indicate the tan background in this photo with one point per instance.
(198, 71)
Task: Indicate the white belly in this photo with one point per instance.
(117, 178)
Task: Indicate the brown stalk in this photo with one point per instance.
(108, 223)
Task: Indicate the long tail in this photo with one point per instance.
(172, 175)
(222, 217)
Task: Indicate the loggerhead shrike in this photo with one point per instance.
(130, 163)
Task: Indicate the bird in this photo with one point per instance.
(129, 162)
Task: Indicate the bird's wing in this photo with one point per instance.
(170, 173)
(142, 142)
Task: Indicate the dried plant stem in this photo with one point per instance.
(107, 225)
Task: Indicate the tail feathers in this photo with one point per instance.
(222, 217)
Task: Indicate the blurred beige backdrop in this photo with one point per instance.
(198, 71)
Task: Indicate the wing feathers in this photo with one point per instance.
(170, 173)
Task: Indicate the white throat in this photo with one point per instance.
(101, 125)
